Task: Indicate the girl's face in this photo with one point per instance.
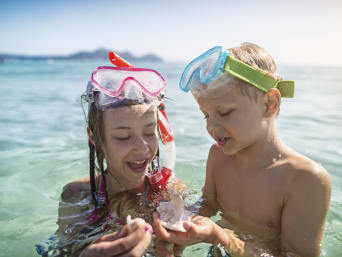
(130, 144)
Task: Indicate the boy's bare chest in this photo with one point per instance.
(255, 198)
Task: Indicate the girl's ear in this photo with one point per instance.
(91, 136)
(272, 102)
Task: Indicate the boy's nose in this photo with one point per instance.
(212, 124)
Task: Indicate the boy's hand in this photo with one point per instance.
(124, 243)
(166, 249)
(201, 229)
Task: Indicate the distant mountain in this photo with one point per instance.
(100, 53)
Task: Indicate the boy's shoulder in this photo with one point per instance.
(304, 172)
(217, 158)
(74, 191)
(296, 168)
(217, 154)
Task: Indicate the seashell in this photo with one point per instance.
(173, 214)
(132, 224)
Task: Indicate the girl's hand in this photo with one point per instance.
(201, 229)
(130, 241)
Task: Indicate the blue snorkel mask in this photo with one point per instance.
(213, 63)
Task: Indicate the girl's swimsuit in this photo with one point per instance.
(97, 224)
(101, 199)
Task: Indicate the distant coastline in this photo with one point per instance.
(100, 53)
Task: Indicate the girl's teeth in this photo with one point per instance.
(138, 162)
(137, 166)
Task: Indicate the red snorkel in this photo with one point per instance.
(118, 61)
(157, 179)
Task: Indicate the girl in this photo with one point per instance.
(125, 117)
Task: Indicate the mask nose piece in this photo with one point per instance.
(133, 91)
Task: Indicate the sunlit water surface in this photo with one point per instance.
(43, 142)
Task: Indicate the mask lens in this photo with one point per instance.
(188, 75)
(110, 87)
(113, 80)
(205, 68)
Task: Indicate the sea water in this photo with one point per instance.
(43, 143)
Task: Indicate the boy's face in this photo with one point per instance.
(234, 121)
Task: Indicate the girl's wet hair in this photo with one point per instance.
(95, 124)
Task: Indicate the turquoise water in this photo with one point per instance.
(43, 141)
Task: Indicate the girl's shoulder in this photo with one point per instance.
(75, 190)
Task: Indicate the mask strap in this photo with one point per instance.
(257, 78)
(286, 88)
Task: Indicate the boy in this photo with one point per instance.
(273, 199)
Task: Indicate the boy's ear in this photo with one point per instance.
(91, 136)
(272, 102)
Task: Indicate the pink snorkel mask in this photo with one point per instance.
(115, 86)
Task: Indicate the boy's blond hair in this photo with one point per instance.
(258, 58)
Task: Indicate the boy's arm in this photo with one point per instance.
(203, 229)
(304, 212)
(208, 203)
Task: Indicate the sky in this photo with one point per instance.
(303, 32)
